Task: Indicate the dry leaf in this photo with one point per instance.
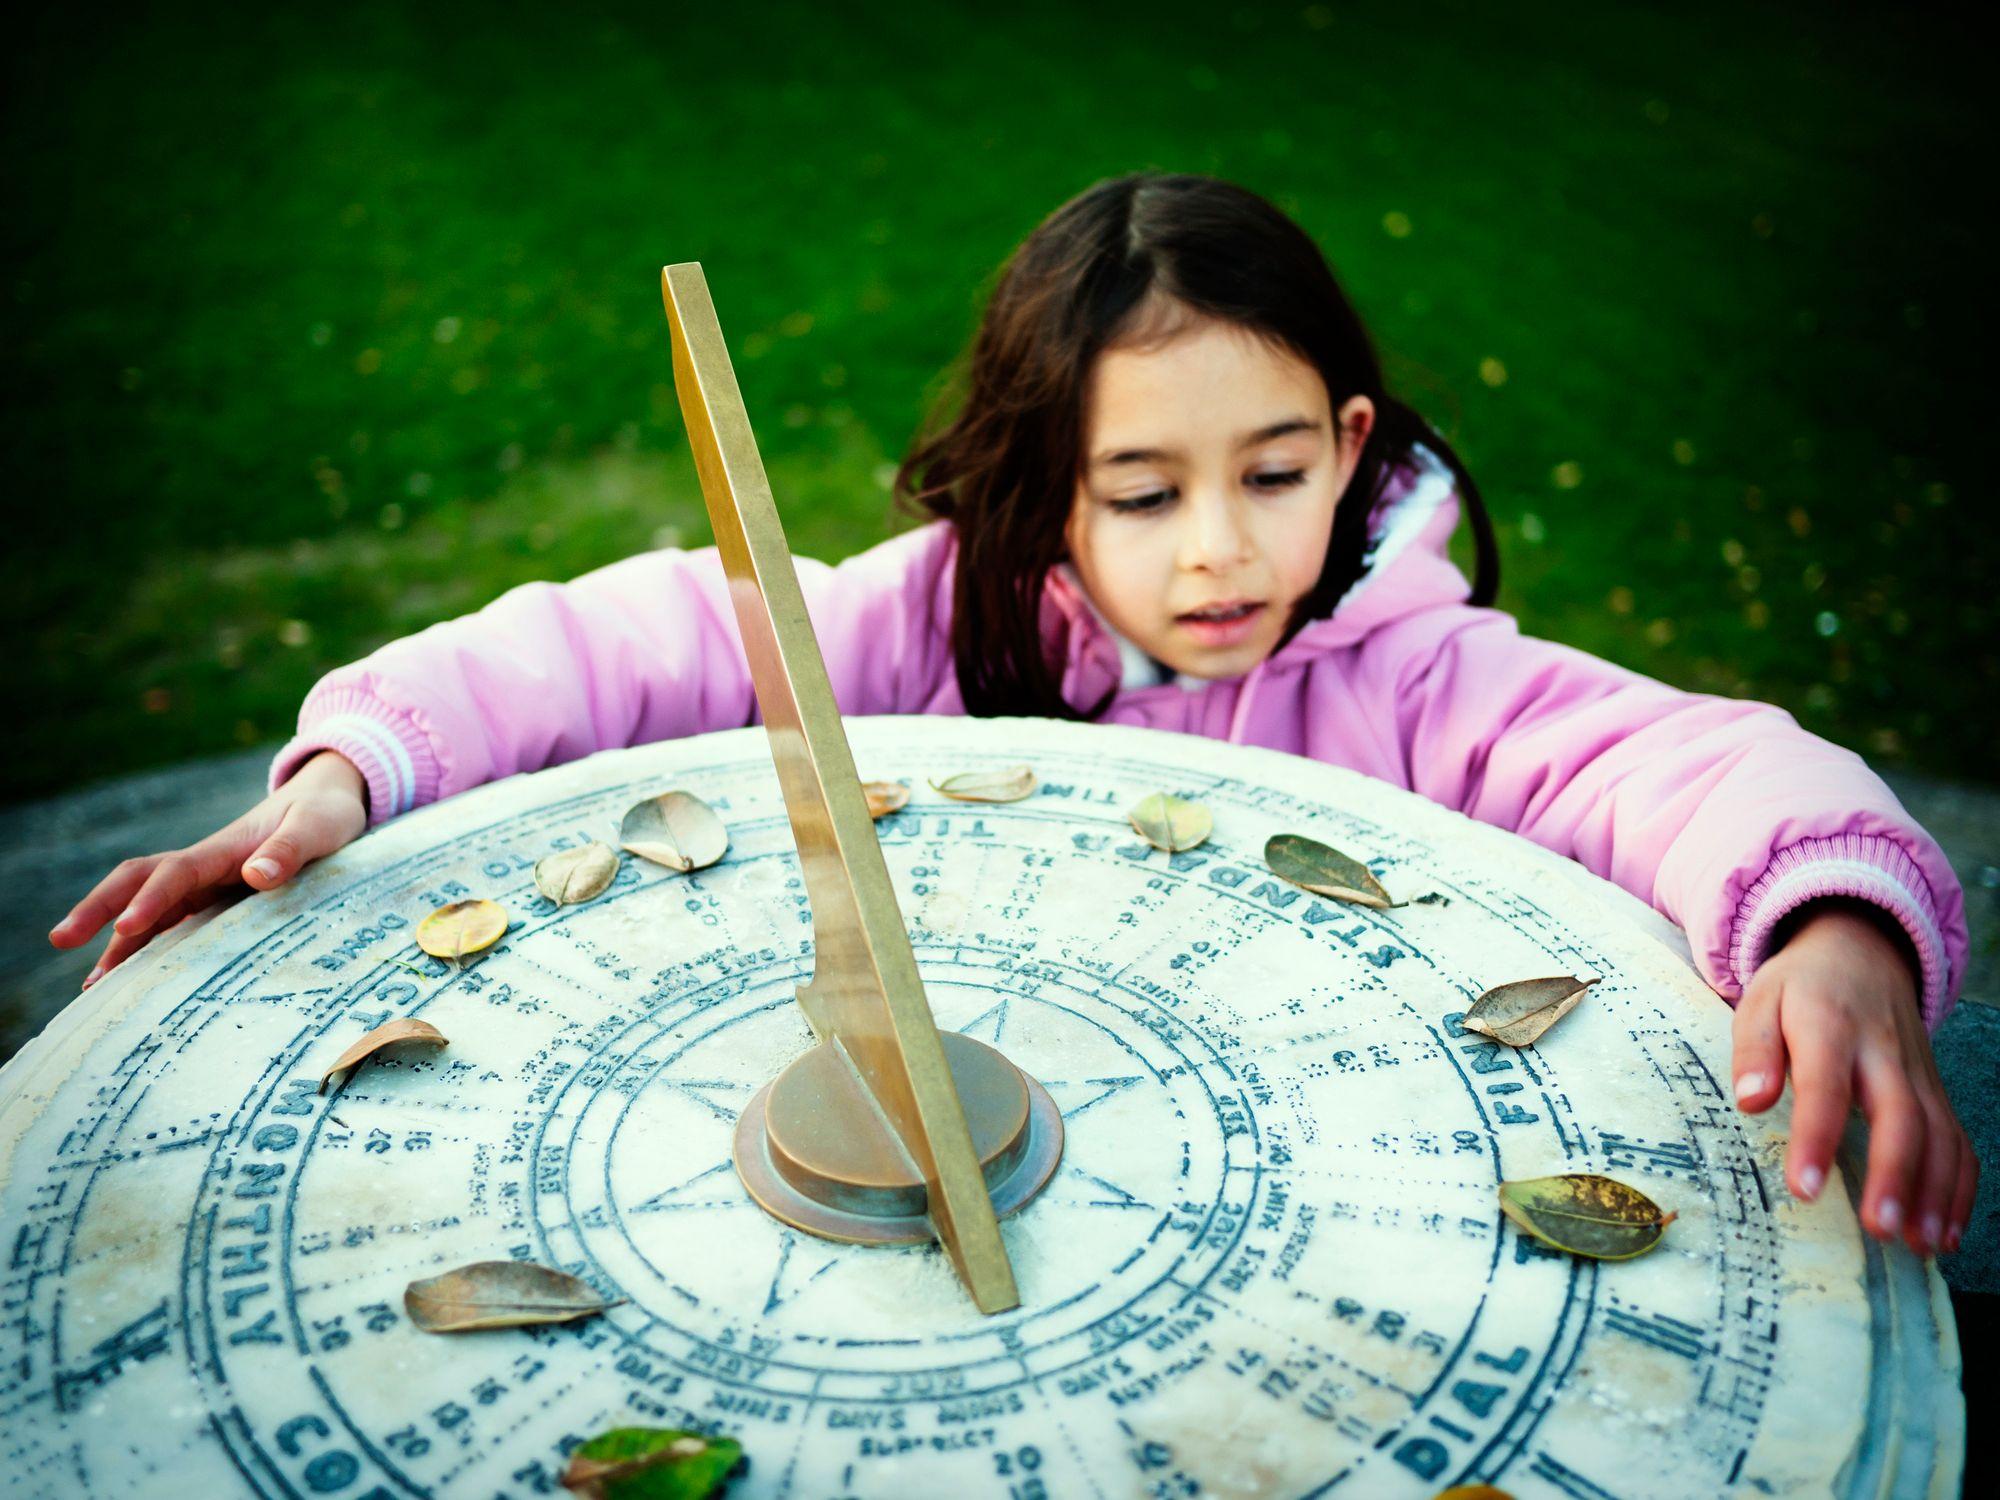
(885, 797)
(1324, 871)
(1009, 785)
(651, 1463)
(1171, 823)
(1472, 1492)
(1519, 1013)
(1586, 1215)
(404, 1029)
(572, 876)
(498, 1294)
(675, 829)
(463, 927)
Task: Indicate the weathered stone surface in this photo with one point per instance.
(1272, 1252)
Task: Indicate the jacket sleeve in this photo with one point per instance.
(1724, 815)
(642, 650)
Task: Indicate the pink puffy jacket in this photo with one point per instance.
(1723, 815)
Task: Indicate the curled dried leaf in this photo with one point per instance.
(1588, 1215)
(403, 1029)
(675, 829)
(1519, 1013)
(651, 1463)
(1324, 871)
(1008, 785)
(571, 876)
(1171, 823)
(462, 928)
(498, 1294)
(885, 797)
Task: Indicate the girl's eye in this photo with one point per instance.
(1282, 481)
(1140, 504)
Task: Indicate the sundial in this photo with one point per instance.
(1269, 1262)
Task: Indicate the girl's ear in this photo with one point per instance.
(1351, 426)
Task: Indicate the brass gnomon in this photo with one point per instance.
(887, 1130)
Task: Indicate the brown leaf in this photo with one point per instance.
(1596, 1217)
(1009, 785)
(675, 829)
(1472, 1492)
(462, 927)
(1171, 823)
(1324, 871)
(885, 797)
(570, 877)
(498, 1294)
(403, 1029)
(1519, 1013)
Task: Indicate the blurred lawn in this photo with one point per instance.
(321, 325)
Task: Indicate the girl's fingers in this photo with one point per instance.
(175, 878)
(299, 838)
(1896, 1145)
(1759, 1063)
(1939, 1184)
(1822, 1072)
(123, 945)
(1961, 1203)
(107, 898)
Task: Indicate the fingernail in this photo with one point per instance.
(1748, 1084)
(94, 975)
(1889, 1216)
(123, 917)
(1810, 1182)
(268, 868)
(1933, 1231)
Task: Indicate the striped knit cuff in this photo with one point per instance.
(391, 753)
(1867, 867)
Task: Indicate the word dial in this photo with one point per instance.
(1271, 1261)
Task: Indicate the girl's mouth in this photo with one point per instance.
(1222, 624)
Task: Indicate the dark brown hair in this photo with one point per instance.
(1106, 267)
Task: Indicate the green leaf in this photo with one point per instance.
(1171, 823)
(1325, 871)
(1587, 1215)
(651, 1463)
(1518, 1013)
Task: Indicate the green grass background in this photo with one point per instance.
(321, 324)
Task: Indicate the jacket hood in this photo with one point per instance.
(1406, 569)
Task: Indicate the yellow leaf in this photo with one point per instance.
(462, 927)
(1171, 823)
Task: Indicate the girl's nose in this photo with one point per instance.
(1215, 538)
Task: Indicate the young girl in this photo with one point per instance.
(1177, 494)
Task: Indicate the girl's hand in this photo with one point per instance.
(324, 805)
(1839, 1000)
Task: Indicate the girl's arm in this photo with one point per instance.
(1728, 818)
(642, 650)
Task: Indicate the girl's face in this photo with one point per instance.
(1212, 468)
